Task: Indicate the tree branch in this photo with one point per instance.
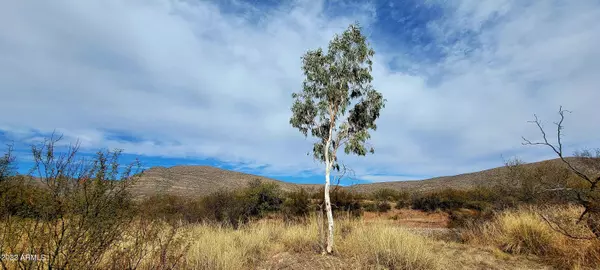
(560, 229)
(557, 149)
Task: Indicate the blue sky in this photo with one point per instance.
(179, 82)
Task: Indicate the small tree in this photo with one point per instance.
(336, 81)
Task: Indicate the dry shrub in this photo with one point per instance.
(390, 247)
(524, 231)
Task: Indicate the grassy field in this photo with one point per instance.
(517, 239)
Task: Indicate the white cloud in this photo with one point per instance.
(189, 79)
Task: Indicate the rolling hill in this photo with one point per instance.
(195, 181)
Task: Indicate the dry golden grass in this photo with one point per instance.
(214, 247)
(524, 231)
(372, 245)
(506, 242)
(381, 245)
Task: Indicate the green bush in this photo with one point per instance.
(235, 208)
(369, 206)
(380, 206)
(296, 204)
(342, 201)
(261, 198)
(386, 194)
(172, 208)
(225, 207)
(478, 199)
(21, 198)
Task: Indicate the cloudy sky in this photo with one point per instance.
(210, 82)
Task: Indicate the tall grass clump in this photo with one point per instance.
(388, 247)
(221, 247)
(301, 237)
(524, 231)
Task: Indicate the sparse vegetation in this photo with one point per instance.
(80, 214)
(524, 231)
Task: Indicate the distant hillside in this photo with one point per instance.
(195, 181)
(485, 178)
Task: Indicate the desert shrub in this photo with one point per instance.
(79, 210)
(449, 199)
(296, 204)
(343, 202)
(385, 194)
(235, 208)
(429, 202)
(378, 206)
(383, 207)
(225, 207)
(403, 200)
(171, 208)
(162, 206)
(346, 202)
(531, 184)
(261, 198)
(21, 198)
(369, 206)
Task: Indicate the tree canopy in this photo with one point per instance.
(337, 101)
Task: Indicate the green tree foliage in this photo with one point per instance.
(334, 82)
(337, 105)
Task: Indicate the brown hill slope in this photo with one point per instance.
(195, 181)
(485, 178)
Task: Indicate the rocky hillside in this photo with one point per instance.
(194, 181)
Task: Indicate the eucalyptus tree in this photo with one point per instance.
(337, 104)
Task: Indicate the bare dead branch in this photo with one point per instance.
(560, 229)
(556, 148)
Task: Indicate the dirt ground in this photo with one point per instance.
(410, 218)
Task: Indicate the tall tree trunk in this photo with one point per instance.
(329, 243)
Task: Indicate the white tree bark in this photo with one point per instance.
(329, 242)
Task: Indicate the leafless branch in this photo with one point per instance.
(345, 170)
(560, 229)
(589, 206)
(559, 147)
